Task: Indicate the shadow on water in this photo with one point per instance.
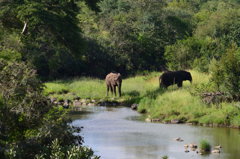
(140, 118)
(83, 114)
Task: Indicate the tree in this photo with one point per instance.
(192, 53)
(134, 33)
(49, 33)
(219, 20)
(28, 122)
(227, 73)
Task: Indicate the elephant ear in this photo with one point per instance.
(115, 78)
(119, 76)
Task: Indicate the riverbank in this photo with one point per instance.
(133, 89)
(174, 105)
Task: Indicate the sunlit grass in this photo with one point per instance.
(55, 87)
(82, 87)
(172, 103)
(96, 88)
(88, 88)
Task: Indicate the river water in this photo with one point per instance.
(116, 133)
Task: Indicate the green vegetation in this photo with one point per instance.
(134, 87)
(205, 146)
(183, 104)
(29, 124)
(165, 157)
(186, 105)
(69, 38)
(56, 40)
(227, 70)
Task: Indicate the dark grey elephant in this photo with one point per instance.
(174, 77)
(114, 80)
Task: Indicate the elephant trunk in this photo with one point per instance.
(190, 78)
(190, 81)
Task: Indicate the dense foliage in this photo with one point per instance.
(134, 33)
(226, 72)
(92, 37)
(51, 41)
(29, 126)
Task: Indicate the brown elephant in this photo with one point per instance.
(114, 80)
(174, 77)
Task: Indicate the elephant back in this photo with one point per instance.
(174, 77)
(113, 78)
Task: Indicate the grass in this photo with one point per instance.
(165, 157)
(82, 87)
(133, 88)
(183, 103)
(173, 104)
(205, 146)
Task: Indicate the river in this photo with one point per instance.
(117, 133)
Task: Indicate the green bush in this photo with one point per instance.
(10, 55)
(165, 157)
(226, 72)
(57, 151)
(28, 122)
(190, 53)
(205, 146)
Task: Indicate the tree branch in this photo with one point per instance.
(24, 27)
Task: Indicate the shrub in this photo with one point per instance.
(191, 53)
(226, 73)
(55, 150)
(10, 55)
(28, 123)
(165, 157)
(205, 146)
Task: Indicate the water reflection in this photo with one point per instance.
(115, 134)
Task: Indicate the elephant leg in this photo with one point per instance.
(119, 91)
(179, 84)
(114, 89)
(162, 85)
(107, 89)
(111, 88)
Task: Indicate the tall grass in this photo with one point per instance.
(82, 87)
(172, 103)
(132, 87)
(176, 102)
(181, 104)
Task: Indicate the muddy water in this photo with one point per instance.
(115, 133)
